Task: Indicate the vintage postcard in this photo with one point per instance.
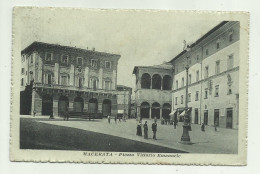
(129, 86)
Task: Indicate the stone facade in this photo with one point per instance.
(213, 77)
(68, 78)
(213, 80)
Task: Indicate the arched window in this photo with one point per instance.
(167, 82)
(146, 81)
(156, 81)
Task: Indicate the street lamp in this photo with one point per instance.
(185, 138)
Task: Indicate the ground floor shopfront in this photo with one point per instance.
(46, 101)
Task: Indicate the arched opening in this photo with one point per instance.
(166, 110)
(106, 107)
(93, 105)
(156, 110)
(47, 105)
(167, 82)
(63, 105)
(145, 110)
(156, 81)
(78, 104)
(146, 81)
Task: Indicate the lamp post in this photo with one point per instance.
(185, 138)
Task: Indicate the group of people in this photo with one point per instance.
(145, 127)
(115, 119)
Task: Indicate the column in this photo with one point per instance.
(71, 75)
(55, 107)
(150, 112)
(100, 77)
(114, 80)
(56, 73)
(160, 113)
(86, 76)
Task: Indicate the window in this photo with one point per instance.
(197, 58)
(230, 37)
(218, 44)
(22, 82)
(216, 90)
(31, 57)
(206, 93)
(176, 100)
(176, 84)
(197, 75)
(65, 59)
(189, 97)
(229, 89)
(93, 63)
(94, 83)
(182, 82)
(107, 64)
(182, 99)
(189, 79)
(48, 56)
(80, 82)
(22, 70)
(197, 96)
(107, 85)
(206, 71)
(79, 61)
(217, 70)
(31, 75)
(64, 79)
(230, 62)
(207, 52)
(48, 79)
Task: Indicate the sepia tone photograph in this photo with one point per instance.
(126, 84)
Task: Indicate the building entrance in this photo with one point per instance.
(78, 104)
(166, 110)
(145, 110)
(106, 107)
(47, 105)
(156, 110)
(229, 118)
(196, 120)
(63, 105)
(216, 117)
(93, 105)
(206, 117)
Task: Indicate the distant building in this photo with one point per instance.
(213, 79)
(124, 99)
(153, 91)
(67, 78)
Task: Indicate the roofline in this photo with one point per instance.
(136, 67)
(36, 43)
(201, 38)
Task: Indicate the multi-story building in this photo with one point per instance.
(153, 91)
(124, 99)
(213, 77)
(213, 80)
(68, 78)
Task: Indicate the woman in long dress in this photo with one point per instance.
(145, 130)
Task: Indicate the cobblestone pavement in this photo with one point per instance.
(224, 141)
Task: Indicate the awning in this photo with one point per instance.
(182, 114)
(120, 111)
(172, 113)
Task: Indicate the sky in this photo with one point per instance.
(142, 38)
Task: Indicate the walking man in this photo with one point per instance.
(154, 129)
(145, 130)
(115, 119)
(108, 119)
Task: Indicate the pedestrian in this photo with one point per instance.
(67, 115)
(115, 119)
(203, 127)
(215, 125)
(139, 129)
(145, 130)
(108, 119)
(175, 124)
(154, 129)
(34, 113)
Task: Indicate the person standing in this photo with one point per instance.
(145, 130)
(115, 119)
(154, 129)
(175, 124)
(203, 127)
(108, 119)
(215, 125)
(34, 113)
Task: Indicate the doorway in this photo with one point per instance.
(216, 117)
(229, 118)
